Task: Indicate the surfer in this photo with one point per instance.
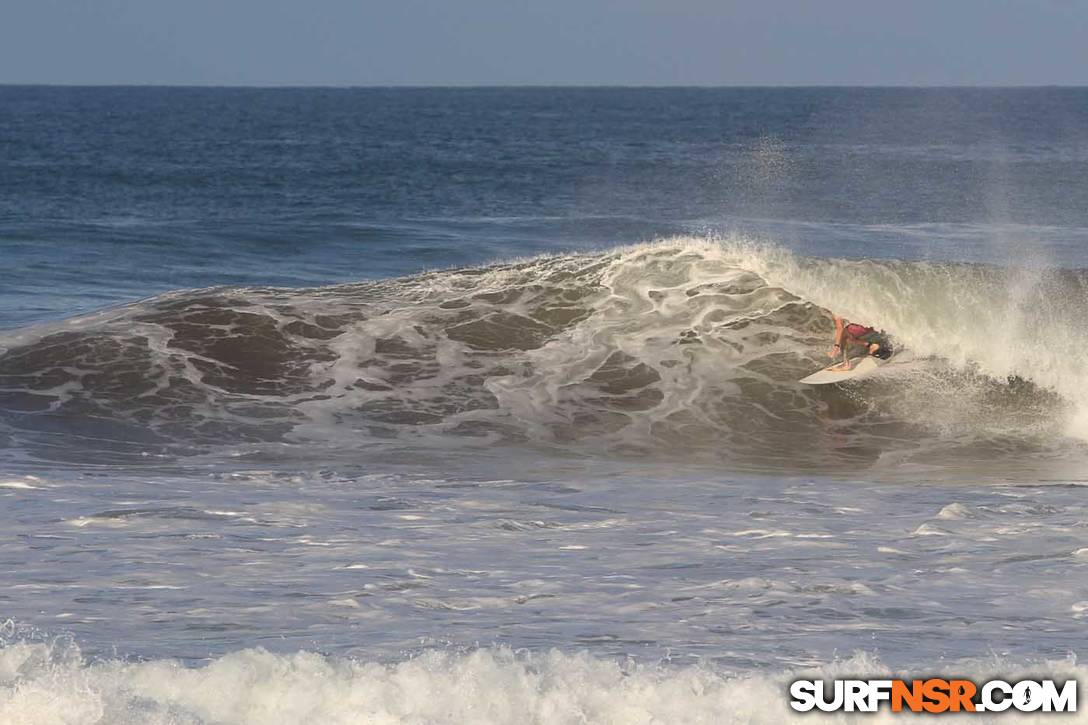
(851, 334)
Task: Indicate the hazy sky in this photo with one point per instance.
(511, 42)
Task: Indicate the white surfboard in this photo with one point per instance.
(860, 367)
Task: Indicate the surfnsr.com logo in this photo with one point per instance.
(933, 695)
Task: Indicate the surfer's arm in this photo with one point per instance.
(837, 342)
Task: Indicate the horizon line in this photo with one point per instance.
(552, 86)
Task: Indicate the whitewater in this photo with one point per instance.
(482, 405)
(682, 346)
(555, 594)
(569, 488)
(486, 686)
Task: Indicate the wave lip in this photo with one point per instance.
(689, 347)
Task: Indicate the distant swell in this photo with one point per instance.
(687, 347)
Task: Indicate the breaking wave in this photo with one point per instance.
(684, 347)
(40, 683)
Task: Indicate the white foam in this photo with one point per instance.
(99, 521)
(40, 685)
(20, 485)
(674, 344)
(955, 512)
(1015, 321)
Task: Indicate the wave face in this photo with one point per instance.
(45, 684)
(686, 347)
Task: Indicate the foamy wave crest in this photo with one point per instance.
(1029, 323)
(39, 684)
(689, 347)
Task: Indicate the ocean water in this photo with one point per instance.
(480, 405)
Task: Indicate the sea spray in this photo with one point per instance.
(689, 346)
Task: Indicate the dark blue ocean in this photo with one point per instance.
(482, 405)
(112, 194)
